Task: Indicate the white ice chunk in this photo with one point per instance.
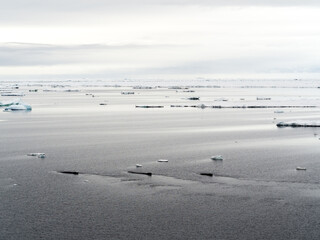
(8, 103)
(301, 168)
(12, 94)
(217, 157)
(163, 160)
(19, 107)
(299, 124)
(39, 155)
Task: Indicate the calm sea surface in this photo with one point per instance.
(255, 192)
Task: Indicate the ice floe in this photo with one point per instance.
(299, 124)
(8, 103)
(149, 106)
(12, 94)
(19, 107)
(217, 157)
(39, 155)
(193, 98)
(163, 160)
(15, 105)
(301, 168)
(142, 173)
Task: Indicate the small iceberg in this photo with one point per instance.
(19, 107)
(10, 102)
(298, 124)
(142, 173)
(12, 94)
(193, 98)
(217, 157)
(70, 172)
(301, 168)
(206, 174)
(138, 165)
(39, 155)
(163, 160)
(148, 106)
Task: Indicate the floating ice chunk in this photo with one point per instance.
(18, 107)
(206, 174)
(8, 103)
(127, 93)
(143, 173)
(12, 94)
(193, 98)
(163, 160)
(148, 106)
(70, 172)
(299, 124)
(32, 154)
(301, 168)
(39, 155)
(217, 157)
(138, 165)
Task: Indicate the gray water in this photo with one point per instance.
(255, 193)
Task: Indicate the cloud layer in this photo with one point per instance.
(177, 38)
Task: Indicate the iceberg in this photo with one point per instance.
(193, 98)
(301, 168)
(148, 106)
(143, 173)
(217, 157)
(70, 172)
(163, 160)
(18, 107)
(39, 155)
(299, 124)
(12, 94)
(8, 103)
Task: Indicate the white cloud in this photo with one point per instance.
(150, 37)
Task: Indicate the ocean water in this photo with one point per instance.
(254, 193)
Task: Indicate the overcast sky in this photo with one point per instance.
(159, 39)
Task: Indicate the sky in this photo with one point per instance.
(146, 39)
